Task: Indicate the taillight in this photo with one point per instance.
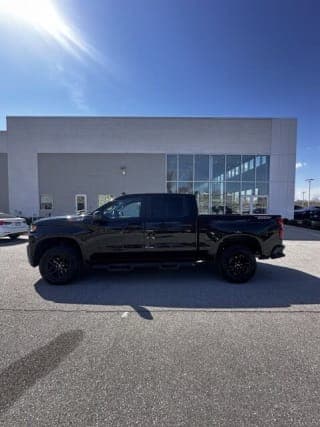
(281, 228)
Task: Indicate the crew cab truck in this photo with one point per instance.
(153, 229)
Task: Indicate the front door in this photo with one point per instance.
(120, 234)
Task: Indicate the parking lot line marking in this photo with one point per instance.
(124, 315)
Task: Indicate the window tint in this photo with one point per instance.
(169, 207)
(131, 210)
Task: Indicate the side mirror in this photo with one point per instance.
(98, 216)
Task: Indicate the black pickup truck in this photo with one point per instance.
(153, 229)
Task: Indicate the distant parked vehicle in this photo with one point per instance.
(298, 207)
(12, 226)
(309, 217)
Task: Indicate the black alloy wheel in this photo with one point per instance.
(60, 265)
(237, 264)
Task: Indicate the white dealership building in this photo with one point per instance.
(59, 165)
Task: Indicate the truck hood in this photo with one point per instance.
(61, 220)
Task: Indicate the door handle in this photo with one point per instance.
(150, 234)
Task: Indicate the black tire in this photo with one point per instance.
(237, 264)
(14, 236)
(60, 265)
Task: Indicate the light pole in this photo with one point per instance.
(303, 193)
(309, 180)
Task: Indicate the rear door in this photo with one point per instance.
(170, 227)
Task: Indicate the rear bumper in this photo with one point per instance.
(277, 252)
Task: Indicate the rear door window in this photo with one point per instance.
(169, 208)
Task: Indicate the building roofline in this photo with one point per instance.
(150, 117)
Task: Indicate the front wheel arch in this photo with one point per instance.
(48, 243)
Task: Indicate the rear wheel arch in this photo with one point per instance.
(250, 243)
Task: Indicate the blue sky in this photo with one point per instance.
(257, 58)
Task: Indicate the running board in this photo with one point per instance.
(170, 266)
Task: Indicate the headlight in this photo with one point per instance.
(33, 228)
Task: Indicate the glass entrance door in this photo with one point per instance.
(81, 203)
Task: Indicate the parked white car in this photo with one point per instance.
(12, 226)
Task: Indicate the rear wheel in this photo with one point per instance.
(60, 265)
(237, 264)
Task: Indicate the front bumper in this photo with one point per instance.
(30, 253)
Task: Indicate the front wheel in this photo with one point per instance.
(237, 264)
(60, 265)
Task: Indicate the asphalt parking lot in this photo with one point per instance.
(162, 348)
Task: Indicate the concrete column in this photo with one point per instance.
(282, 167)
(23, 182)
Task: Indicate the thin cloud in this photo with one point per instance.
(300, 165)
(75, 85)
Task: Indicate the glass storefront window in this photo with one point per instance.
(217, 198)
(222, 183)
(201, 191)
(248, 188)
(262, 188)
(248, 168)
(201, 167)
(233, 197)
(185, 167)
(171, 187)
(185, 187)
(218, 163)
(262, 168)
(233, 168)
(260, 204)
(172, 167)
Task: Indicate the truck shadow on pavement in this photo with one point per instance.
(191, 288)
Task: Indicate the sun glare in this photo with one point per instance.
(43, 16)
